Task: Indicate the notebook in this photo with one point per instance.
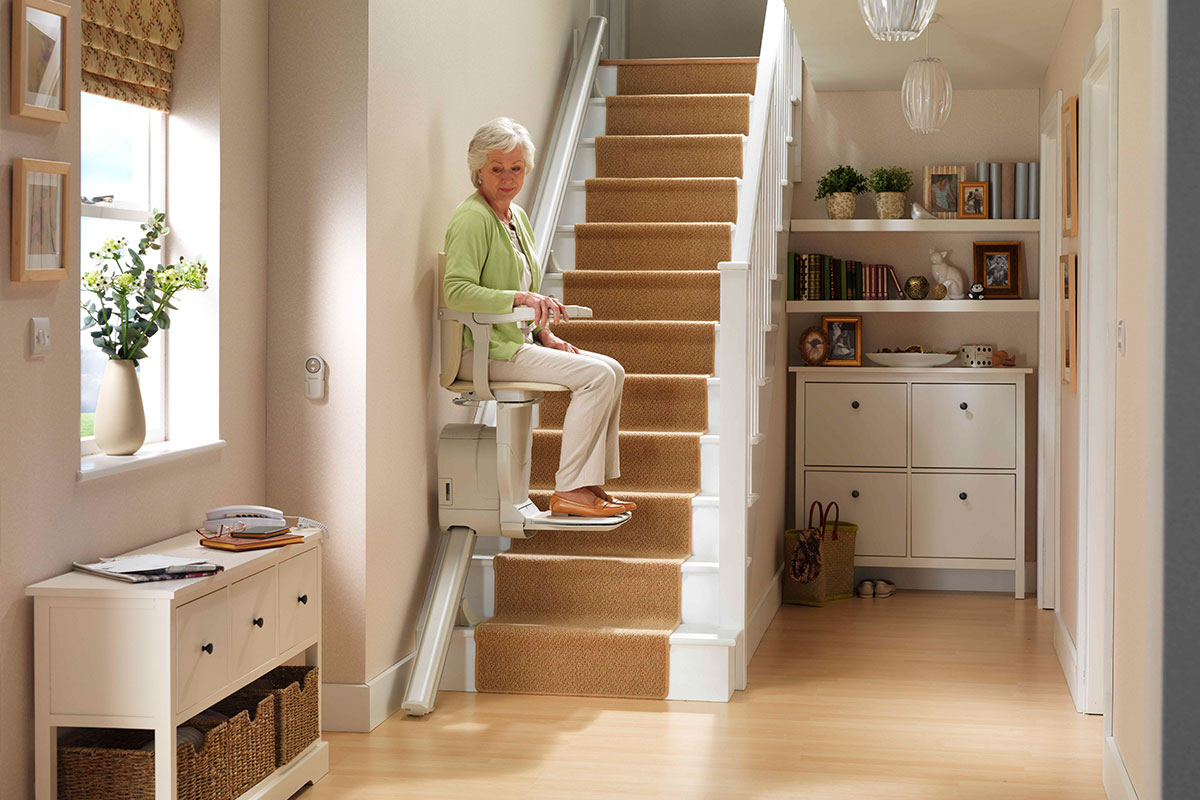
(228, 542)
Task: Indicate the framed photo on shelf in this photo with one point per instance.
(1069, 277)
(998, 268)
(1070, 167)
(40, 43)
(41, 219)
(973, 197)
(939, 191)
(845, 340)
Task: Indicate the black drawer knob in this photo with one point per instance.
(963, 406)
(854, 493)
(258, 622)
(302, 599)
(208, 648)
(962, 495)
(854, 404)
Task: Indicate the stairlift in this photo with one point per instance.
(483, 488)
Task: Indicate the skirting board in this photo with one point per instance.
(764, 611)
(1068, 660)
(362, 707)
(950, 580)
(1117, 784)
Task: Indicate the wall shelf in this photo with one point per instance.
(988, 226)
(913, 306)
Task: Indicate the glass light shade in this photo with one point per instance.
(926, 95)
(896, 20)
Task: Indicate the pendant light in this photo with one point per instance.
(926, 94)
(896, 20)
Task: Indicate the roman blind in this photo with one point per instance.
(129, 49)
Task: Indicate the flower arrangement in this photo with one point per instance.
(133, 299)
(841, 179)
(891, 179)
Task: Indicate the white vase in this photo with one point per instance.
(120, 418)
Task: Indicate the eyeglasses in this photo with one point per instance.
(223, 530)
(101, 198)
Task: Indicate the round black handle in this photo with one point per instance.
(854, 404)
(854, 493)
(962, 495)
(302, 599)
(207, 648)
(258, 622)
(963, 406)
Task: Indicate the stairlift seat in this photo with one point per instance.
(468, 387)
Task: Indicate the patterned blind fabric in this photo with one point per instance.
(129, 50)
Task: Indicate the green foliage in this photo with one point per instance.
(891, 179)
(133, 298)
(841, 179)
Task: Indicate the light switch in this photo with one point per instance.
(39, 336)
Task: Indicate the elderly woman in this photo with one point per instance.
(491, 267)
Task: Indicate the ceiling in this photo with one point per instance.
(983, 43)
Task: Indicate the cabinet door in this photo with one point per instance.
(201, 648)
(855, 424)
(299, 604)
(964, 516)
(875, 501)
(964, 425)
(253, 621)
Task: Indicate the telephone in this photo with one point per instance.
(256, 516)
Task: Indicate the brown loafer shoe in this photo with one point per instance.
(599, 508)
(626, 504)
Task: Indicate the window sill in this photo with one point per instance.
(100, 465)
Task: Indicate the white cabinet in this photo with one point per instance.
(152, 655)
(929, 463)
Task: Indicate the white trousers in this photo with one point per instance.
(591, 428)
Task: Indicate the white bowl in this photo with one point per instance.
(912, 359)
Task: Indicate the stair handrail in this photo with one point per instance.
(564, 139)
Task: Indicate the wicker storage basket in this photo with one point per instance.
(107, 764)
(251, 738)
(297, 712)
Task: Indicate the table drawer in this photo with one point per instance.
(964, 516)
(201, 648)
(875, 501)
(299, 606)
(855, 424)
(964, 425)
(253, 621)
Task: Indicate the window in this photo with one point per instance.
(122, 177)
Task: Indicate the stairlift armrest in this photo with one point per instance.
(525, 314)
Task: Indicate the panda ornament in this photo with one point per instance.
(975, 292)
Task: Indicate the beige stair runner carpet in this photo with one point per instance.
(592, 613)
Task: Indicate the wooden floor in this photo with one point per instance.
(920, 695)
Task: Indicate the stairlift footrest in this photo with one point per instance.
(545, 521)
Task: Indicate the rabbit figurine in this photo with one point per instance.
(947, 274)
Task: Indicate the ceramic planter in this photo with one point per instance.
(840, 205)
(889, 205)
(120, 418)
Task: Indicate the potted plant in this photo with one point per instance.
(132, 303)
(890, 185)
(839, 187)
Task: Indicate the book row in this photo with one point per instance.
(815, 276)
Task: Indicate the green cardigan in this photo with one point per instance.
(483, 271)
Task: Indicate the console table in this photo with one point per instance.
(150, 656)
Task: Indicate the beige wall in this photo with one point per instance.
(683, 28)
(47, 519)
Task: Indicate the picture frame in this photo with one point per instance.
(939, 190)
(41, 220)
(845, 340)
(998, 269)
(1070, 167)
(974, 199)
(1069, 279)
(40, 42)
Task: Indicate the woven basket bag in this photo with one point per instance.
(818, 561)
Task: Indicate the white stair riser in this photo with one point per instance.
(710, 466)
(700, 598)
(594, 120)
(606, 79)
(706, 530)
(714, 406)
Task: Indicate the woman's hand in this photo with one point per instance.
(548, 339)
(545, 309)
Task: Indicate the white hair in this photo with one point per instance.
(501, 134)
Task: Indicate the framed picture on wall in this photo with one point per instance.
(1069, 277)
(973, 200)
(1070, 167)
(41, 219)
(939, 191)
(998, 268)
(40, 43)
(845, 340)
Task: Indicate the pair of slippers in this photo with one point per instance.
(876, 588)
